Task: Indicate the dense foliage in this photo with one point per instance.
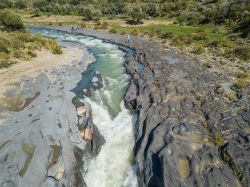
(234, 13)
(213, 24)
(10, 21)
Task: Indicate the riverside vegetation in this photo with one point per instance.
(18, 44)
(219, 26)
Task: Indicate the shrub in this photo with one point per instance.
(167, 35)
(10, 21)
(137, 14)
(4, 43)
(104, 25)
(240, 84)
(83, 25)
(25, 37)
(157, 83)
(17, 44)
(112, 31)
(37, 13)
(31, 54)
(134, 32)
(18, 54)
(152, 10)
(178, 41)
(242, 52)
(53, 46)
(218, 139)
(89, 13)
(5, 4)
(198, 50)
(243, 75)
(214, 44)
(4, 60)
(20, 4)
(200, 36)
(207, 64)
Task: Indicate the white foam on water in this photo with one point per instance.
(112, 166)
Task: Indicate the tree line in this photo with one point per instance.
(234, 13)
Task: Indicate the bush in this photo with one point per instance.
(89, 13)
(112, 31)
(178, 41)
(152, 10)
(104, 25)
(37, 13)
(214, 44)
(53, 46)
(240, 84)
(242, 52)
(134, 32)
(31, 54)
(25, 37)
(137, 14)
(10, 21)
(166, 35)
(198, 50)
(4, 60)
(4, 45)
(83, 25)
(243, 75)
(18, 54)
(20, 4)
(5, 4)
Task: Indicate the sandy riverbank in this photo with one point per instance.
(44, 62)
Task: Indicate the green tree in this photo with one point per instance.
(89, 13)
(137, 14)
(20, 4)
(10, 21)
(5, 4)
(152, 10)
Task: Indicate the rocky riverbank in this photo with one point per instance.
(192, 127)
(41, 143)
(193, 121)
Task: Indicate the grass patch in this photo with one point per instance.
(21, 45)
(56, 154)
(29, 150)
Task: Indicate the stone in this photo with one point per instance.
(88, 135)
(80, 111)
(95, 80)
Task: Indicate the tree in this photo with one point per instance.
(10, 21)
(89, 13)
(20, 4)
(152, 10)
(137, 14)
(5, 4)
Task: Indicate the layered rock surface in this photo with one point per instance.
(188, 133)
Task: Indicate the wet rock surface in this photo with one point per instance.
(193, 125)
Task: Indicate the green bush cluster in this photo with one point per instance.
(242, 52)
(53, 46)
(10, 21)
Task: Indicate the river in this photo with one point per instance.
(113, 166)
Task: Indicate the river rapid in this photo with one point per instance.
(113, 166)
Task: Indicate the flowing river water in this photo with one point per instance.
(113, 166)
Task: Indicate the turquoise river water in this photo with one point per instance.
(113, 165)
